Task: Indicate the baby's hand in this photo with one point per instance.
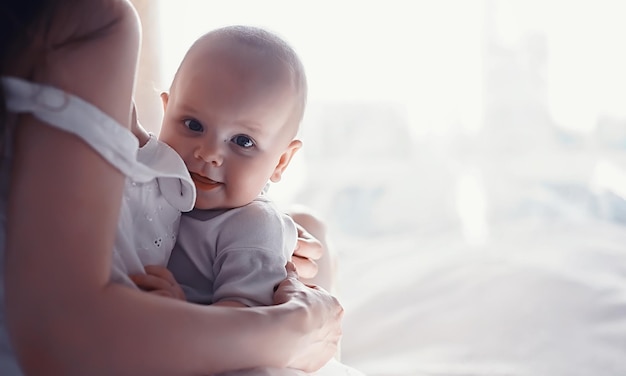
(160, 281)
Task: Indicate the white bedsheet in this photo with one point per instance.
(542, 298)
(502, 254)
(332, 368)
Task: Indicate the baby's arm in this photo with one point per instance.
(254, 245)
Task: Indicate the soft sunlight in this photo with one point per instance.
(357, 50)
(457, 150)
(413, 81)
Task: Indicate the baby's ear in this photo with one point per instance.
(284, 160)
(165, 96)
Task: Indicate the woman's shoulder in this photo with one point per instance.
(85, 48)
(54, 30)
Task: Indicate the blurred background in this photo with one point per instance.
(454, 148)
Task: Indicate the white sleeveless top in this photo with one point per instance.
(157, 189)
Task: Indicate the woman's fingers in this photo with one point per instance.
(285, 290)
(307, 268)
(308, 249)
(308, 246)
(291, 269)
(326, 312)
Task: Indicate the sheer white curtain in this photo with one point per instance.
(432, 123)
(415, 106)
(383, 77)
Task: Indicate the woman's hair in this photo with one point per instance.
(20, 22)
(30, 29)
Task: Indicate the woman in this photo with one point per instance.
(60, 204)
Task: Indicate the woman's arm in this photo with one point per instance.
(64, 316)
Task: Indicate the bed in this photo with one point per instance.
(497, 260)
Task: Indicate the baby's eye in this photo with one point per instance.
(193, 125)
(242, 141)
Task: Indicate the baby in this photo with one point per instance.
(233, 114)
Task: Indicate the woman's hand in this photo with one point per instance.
(319, 318)
(159, 280)
(308, 250)
(314, 260)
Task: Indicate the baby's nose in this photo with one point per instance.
(209, 154)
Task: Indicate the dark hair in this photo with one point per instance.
(32, 27)
(19, 22)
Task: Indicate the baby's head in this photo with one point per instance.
(233, 112)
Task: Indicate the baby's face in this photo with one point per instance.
(229, 126)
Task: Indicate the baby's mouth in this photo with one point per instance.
(203, 182)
